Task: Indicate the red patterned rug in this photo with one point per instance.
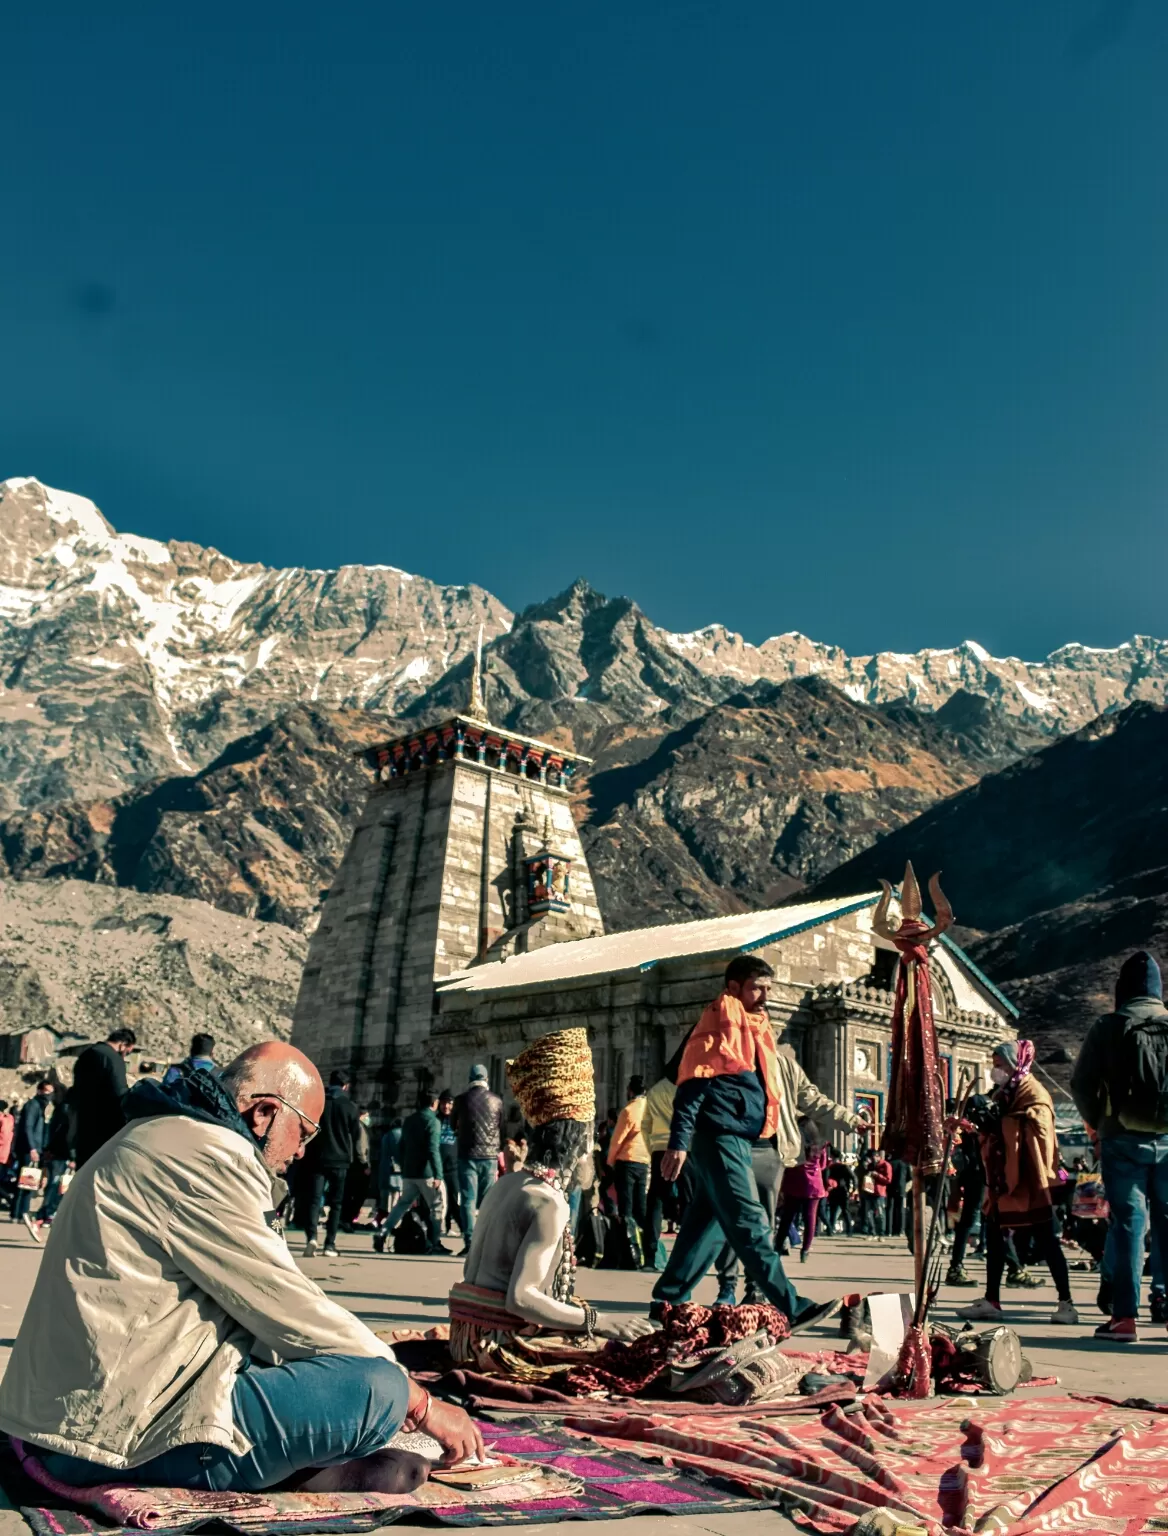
(1012, 1467)
(566, 1481)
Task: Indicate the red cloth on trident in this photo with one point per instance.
(916, 1100)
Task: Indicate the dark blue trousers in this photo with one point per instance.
(726, 1208)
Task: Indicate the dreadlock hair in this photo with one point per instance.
(560, 1144)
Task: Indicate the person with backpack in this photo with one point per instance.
(420, 1158)
(200, 1059)
(1120, 1085)
(1019, 1149)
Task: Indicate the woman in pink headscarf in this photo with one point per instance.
(1019, 1148)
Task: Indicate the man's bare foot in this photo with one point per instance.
(385, 1471)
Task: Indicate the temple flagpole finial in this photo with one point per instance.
(478, 706)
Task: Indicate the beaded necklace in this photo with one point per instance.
(564, 1283)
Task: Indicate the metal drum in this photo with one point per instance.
(997, 1359)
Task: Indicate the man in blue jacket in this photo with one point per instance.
(729, 1095)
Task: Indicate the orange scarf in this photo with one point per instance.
(729, 1040)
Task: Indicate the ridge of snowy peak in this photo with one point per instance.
(123, 657)
(62, 506)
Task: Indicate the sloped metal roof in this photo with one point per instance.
(641, 949)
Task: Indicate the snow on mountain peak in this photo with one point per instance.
(64, 506)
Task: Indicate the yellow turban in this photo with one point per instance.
(552, 1078)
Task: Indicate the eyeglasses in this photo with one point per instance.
(304, 1120)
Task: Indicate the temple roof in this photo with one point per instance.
(642, 948)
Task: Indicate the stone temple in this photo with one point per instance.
(463, 923)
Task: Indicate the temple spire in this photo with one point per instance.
(478, 708)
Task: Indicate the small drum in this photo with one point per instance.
(996, 1359)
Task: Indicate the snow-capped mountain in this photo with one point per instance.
(1071, 686)
(123, 659)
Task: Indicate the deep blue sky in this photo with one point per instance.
(846, 318)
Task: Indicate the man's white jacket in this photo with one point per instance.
(161, 1275)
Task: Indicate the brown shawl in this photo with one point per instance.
(1021, 1158)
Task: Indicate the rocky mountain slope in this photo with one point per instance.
(179, 725)
(583, 660)
(258, 832)
(736, 807)
(77, 957)
(1057, 864)
(752, 800)
(123, 659)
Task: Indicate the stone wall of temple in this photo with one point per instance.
(431, 882)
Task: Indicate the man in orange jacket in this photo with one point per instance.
(728, 1097)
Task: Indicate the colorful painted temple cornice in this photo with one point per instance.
(463, 738)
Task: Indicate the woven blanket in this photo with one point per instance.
(574, 1483)
(642, 1368)
(1002, 1465)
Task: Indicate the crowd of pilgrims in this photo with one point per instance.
(429, 1173)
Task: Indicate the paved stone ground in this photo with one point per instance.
(389, 1292)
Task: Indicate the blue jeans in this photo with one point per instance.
(308, 1413)
(725, 1207)
(1135, 1178)
(55, 1172)
(475, 1177)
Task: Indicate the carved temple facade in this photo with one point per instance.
(463, 923)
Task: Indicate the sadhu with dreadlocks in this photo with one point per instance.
(515, 1312)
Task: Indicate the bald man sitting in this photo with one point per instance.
(172, 1341)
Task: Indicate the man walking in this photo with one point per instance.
(628, 1157)
(1120, 1085)
(728, 1096)
(478, 1125)
(30, 1145)
(840, 1182)
(971, 1182)
(420, 1157)
(336, 1150)
(59, 1161)
(99, 1087)
(897, 1192)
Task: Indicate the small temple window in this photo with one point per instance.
(883, 974)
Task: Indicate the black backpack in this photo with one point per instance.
(591, 1238)
(410, 1235)
(1138, 1081)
